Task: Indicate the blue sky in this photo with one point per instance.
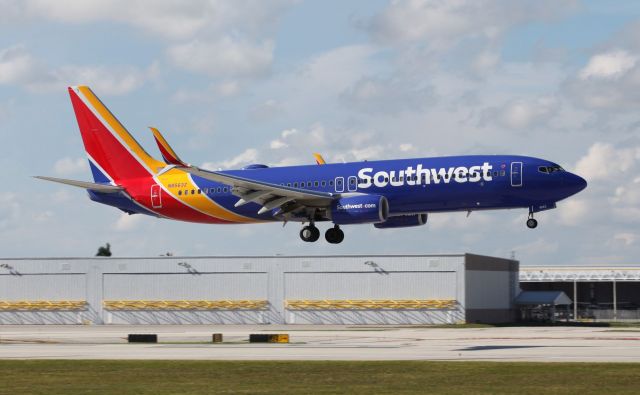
(238, 82)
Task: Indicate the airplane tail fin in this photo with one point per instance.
(168, 154)
(114, 154)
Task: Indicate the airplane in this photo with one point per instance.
(386, 193)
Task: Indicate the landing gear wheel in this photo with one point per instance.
(532, 223)
(309, 234)
(334, 235)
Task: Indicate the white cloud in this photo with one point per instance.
(604, 161)
(16, 65)
(523, 114)
(282, 141)
(169, 19)
(613, 193)
(250, 155)
(375, 95)
(127, 222)
(608, 65)
(228, 88)
(540, 246)
(112, 80)
(439, 23)
(625, 239)
(266, 110)
(406, 147)
(609, 83)
(277, 144)
(573, 211)
(19, 67)
(226, 57)
(69, 166)
(10, 210)
(373, 152)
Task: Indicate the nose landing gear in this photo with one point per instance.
(531, 222)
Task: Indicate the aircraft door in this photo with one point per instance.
(352, 183)
(339, 184)
(516, 174)
(156, 196)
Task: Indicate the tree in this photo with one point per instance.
(104, 251)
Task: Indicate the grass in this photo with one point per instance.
(318, 377)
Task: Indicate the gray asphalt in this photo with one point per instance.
(308, 342)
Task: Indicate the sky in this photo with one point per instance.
(231, 83)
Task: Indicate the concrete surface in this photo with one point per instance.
(548, 344)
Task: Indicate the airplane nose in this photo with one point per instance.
(577, 183)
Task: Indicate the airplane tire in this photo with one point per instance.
(309, 234)
(532, 223)
(334, 235)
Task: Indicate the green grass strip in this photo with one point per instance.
(317, 377)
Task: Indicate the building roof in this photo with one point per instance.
(543, 297)
(579, 273)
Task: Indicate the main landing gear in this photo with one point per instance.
(334, 235)
(310, 234)
(531, 222)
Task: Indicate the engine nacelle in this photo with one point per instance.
(255, 166)
(361, 209)
(403, 221)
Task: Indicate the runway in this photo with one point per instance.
(308, 342)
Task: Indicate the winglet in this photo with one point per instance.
(167, 152)
(319, 159)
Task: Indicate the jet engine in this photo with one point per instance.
(361, 209)
(403, 221)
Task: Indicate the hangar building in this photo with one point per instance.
(597, 292)
(381, 289)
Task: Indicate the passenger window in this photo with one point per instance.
(495, 174)
(331, 183)
(324, 183)
(219, 189)
(179, 193)
(193, 191)
(502, 173)
(226, 189)
(288, 184)
(308, 184)
(295, 184)
(199, 191)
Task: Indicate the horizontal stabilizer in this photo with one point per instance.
(84, 184)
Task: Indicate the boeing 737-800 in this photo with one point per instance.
(386, 193)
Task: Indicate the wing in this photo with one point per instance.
(168, 154)
(319, 159)
(270, 196)
(286, 201)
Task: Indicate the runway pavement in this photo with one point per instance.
(308, 342)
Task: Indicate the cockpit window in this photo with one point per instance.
(550, 169)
